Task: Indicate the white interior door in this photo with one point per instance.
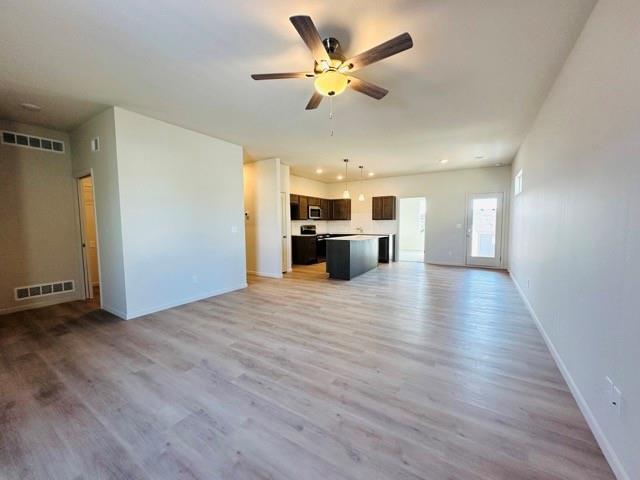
(484, 229)
(283, 231)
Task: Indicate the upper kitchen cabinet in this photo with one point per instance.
(304, 208)
(330, 209)
(294, 202)
(325, 205)
(341, 209)
(383, 208)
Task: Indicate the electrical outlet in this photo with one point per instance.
(194, 278)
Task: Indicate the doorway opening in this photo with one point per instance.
(484, 230)
(89, 238)
(412, 229)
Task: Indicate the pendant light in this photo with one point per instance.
(361, 196)
(346, 193)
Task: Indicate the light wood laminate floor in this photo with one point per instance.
(407, 372)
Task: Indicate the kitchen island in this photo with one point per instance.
(350, 256)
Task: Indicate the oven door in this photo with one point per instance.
(315, 213)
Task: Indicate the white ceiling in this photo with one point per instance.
(472, 84)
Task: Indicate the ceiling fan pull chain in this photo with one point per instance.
(331, 114)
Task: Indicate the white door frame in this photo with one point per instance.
(284, 247)
(489, 262)
(88, 286)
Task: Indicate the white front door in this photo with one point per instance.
(484, 229)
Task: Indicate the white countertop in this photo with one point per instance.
(354, 237)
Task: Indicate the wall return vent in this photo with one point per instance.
(29, 141)
(44, 289)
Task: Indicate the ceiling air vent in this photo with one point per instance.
(44, 289)
(29, 141)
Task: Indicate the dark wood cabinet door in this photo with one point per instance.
(325, 205)
(294, 203)
(341, 209)
(389, 208)
(303, 250)
(304, 208)
(376, 208)
(383, 208)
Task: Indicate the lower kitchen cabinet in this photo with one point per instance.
(303, 249)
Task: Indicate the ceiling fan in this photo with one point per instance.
(332, 70)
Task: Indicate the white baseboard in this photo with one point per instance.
(177, 303)
(114, 311)
(264, 274)
(597, 431)
(444, 264)
(50, 300)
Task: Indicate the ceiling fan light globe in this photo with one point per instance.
(330, 83)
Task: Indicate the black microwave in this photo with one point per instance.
(315, 212)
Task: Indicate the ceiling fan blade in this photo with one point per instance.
(367, 88)
(314, 101)
(309, 33)
(396, 45)
(275, 76)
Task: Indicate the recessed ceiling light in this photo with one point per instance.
(444, 160)
(371, 174)
(319, 171)
(339, 177)
(32, 107)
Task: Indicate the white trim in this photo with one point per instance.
(264, 274)
(114, 311)
(55, 300)
(454, 264)
(598, 433)
(177, 303)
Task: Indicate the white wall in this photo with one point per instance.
(103, 165)
(446, 194)
(39, 222)
(262, 205)
(576, 226)
(182, 213)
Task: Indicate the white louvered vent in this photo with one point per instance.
(29, 141)
(44, 289)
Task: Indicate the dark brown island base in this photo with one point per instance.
(348, 257)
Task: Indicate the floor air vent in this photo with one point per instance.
(44, 289)
(29, 141)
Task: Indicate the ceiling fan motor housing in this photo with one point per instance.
(332, 46)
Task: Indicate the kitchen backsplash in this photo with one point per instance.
(362, 220)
